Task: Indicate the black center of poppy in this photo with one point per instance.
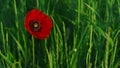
(34, 25)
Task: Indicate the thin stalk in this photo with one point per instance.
(96, 58)
(7, 47)
(3, 37)
(33, 51)
(37, 3)
(88, 63)
(48, 7)
(114, 54)
(78, 13)
(16, 18)
(49, 55)
(118, 1)
(107, 50)
(65, 41)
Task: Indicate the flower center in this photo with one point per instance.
(34, 25)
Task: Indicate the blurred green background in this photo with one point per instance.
(85, 34)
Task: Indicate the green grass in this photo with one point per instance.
(85, 34)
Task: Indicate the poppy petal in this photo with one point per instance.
(42, 19)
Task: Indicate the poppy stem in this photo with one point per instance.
(33, 50)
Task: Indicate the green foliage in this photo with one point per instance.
(85, 34)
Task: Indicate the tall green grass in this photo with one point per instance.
(85, 34)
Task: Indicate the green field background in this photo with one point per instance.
(85, 34)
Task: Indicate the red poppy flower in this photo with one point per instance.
(38, 24)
